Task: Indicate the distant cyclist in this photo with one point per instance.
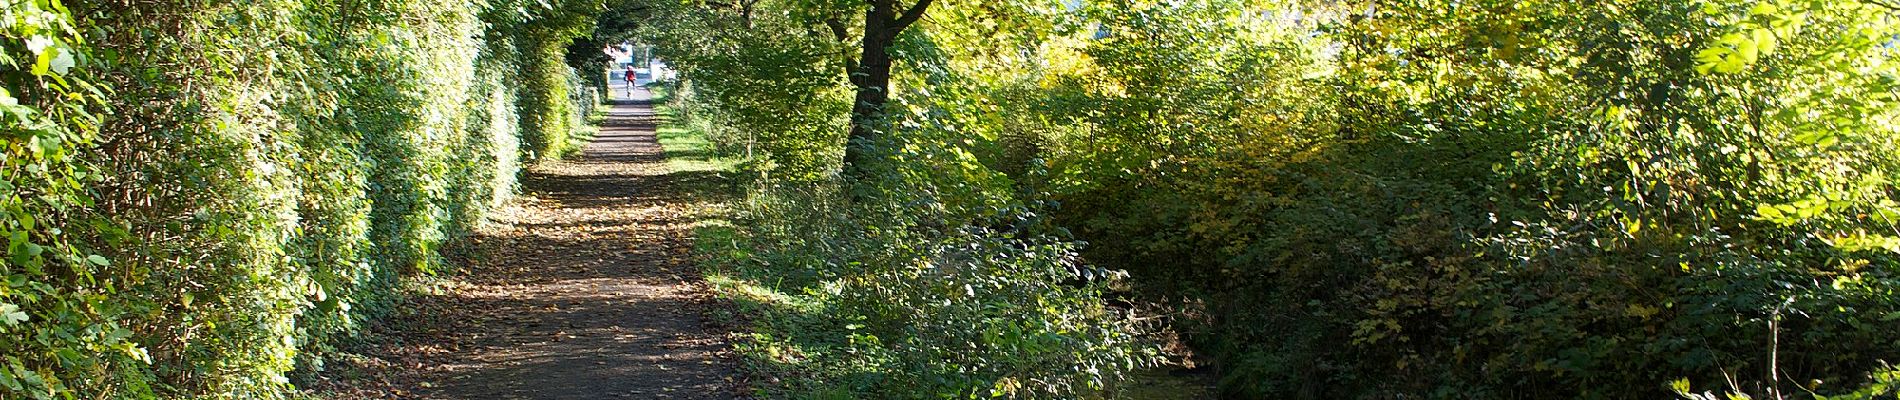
(633, 79)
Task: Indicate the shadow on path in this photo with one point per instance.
(580, 289)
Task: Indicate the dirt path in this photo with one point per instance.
(581, 289)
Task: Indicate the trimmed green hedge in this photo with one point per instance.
(199, 196)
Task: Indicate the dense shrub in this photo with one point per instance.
(1491, 200)
(554, 100)
(204, 195)
(1370, 199)
(904, 294)
(57, 338)
(936, 277)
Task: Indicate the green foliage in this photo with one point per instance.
(553, 99)
(770, 91)
(547, 104)
(863, 301)
(57, 340)
(938, 277)
(1490, 199)
(1480, 200)
(1884, 384)
(202, 197)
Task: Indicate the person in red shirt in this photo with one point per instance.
(633, 79)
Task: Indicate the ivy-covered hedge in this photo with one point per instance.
(199, 196)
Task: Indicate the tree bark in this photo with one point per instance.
(872, 77)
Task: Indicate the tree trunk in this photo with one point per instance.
(872, 78)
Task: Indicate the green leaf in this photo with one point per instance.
(1828, 141)
(1730, 65)
(11, 314)
(96, 260)
(1768, 212)
(63, 62)
(1764, 40)
(38, 43)
(1709, 58)
(1812, 138)
(44, 63)
(1764, 8)
(1748, 49)
(7, 381)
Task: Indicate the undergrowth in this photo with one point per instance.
(842, 300)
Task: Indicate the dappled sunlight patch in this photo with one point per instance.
(752, 296)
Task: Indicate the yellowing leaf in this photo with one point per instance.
(1768, 212)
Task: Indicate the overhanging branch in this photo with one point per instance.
(911, 15)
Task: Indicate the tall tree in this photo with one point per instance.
(872, 72)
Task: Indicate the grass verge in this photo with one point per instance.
(772, 330)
